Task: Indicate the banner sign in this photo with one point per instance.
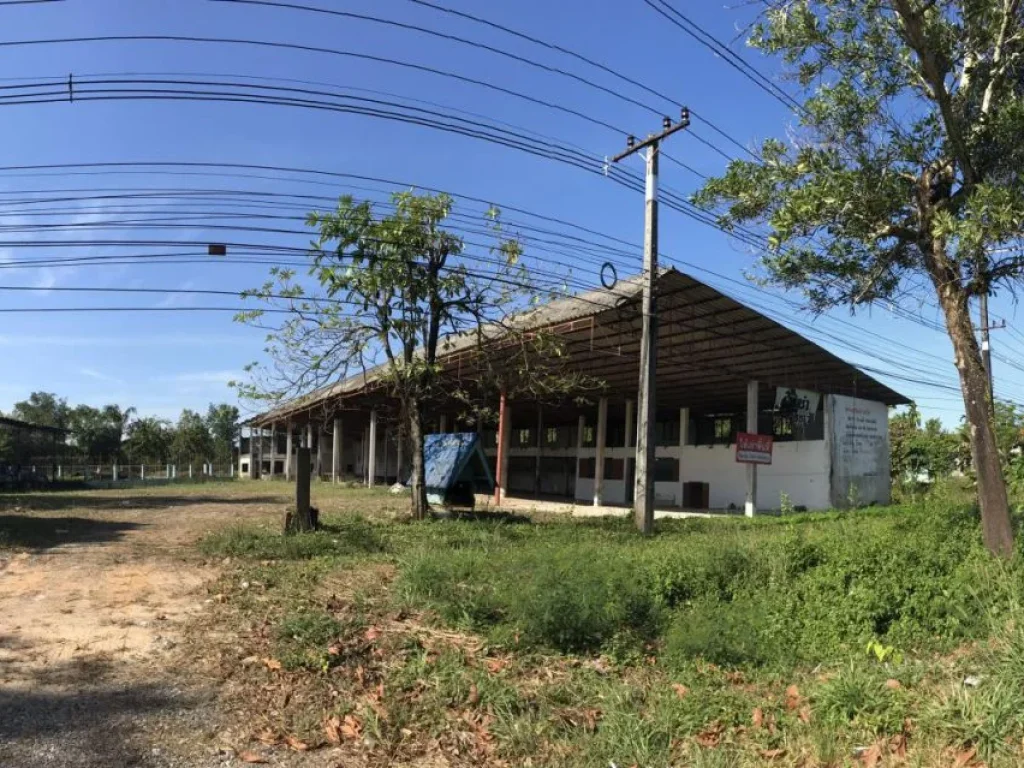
(799, 405)
(753, 449)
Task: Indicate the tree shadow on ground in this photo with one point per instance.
(482, 516)
(77, 714)
(58, 501)
(33, 532)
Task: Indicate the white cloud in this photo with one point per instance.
(92, 373)
(207, 377)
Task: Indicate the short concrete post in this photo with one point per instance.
(113, 472)
(58, 472)
(189, 471)
(142, 472)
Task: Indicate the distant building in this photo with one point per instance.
(721, 366)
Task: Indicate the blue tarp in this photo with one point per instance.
(450, 458)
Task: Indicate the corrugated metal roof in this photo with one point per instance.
(706, 340)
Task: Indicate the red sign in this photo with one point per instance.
(753, 449)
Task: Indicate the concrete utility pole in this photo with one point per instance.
(643, 495)
(986, 343)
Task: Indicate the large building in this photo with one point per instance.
(724, 371)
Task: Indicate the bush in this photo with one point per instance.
(728, 634)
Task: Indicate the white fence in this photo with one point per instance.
(143, 472)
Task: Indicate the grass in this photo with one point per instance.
(785, 641)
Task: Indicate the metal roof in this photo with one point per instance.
(18, 424)
(709, 347)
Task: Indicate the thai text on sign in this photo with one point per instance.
(753, 449)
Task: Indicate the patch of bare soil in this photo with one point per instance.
(93, 592)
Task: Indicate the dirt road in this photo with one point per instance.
(93, 590)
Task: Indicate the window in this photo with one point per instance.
(551, 436)
(587, 467)
(666, 433)
(589, 439)
(245, 467)
(524, 438)
(666, 470)
(614, 469)
(723, 429)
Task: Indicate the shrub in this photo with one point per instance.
(728, 634)
(859, 696)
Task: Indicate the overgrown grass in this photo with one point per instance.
(719, 642)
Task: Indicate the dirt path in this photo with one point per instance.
(93, 590)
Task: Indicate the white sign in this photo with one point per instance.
(800, 405)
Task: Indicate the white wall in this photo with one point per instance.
(858, 432)
(798, 469)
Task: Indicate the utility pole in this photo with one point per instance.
(986, 345)
(643, 495)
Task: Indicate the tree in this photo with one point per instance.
(222, 422)
(391, 289)
(921, 450)
(149, 440)
(98, 433)
(904, 172)
(192, 440)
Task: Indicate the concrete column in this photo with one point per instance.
(540, 448)
(602, 431)
(581, 426)
(114, 472)
(630, 438)
(59, 468)
(372, 463)
(751, 506)
(400, 451)
(189, 471)
(321, 443)
(336, 452)
(273, 448)
(288, 452)
(684, 439)
(501, 463)
(366, 455)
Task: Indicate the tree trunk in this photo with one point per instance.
(978, 407)
(417, 480)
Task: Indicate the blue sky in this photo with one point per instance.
(162, 362)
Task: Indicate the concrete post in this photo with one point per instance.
(540, 448)
(387, 443)
(321, 443)
(751, 506)
(581, 426)
(684, 439)
(142, 472)
(189, 471)
(273, 448)
(400, 451)
(174, 471)
(372, 462)
(288, 452)
(500, 465)
(336, 452)
(602, 432)
(59, 468)
(114, 472)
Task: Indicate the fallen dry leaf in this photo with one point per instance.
(297, 744)
(893, 684)
(680, 689)
(871, 756)
(898, 745)
(711, 736)
(757, 717)
(332, 729)
(474, 696)
(272, 664)
(805, 714)
(268, 736)
(771, 754)
(372, 633)
(351, 728)
(793, 699)
(965, 758)
(592, 716)
(251, 757)
(496, 665)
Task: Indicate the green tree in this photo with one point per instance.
(390, 288)
(192, 441)
(99, 432)
(149, 440)
(921, 450)
(904, 172)
(222, 421)
(44, 409)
